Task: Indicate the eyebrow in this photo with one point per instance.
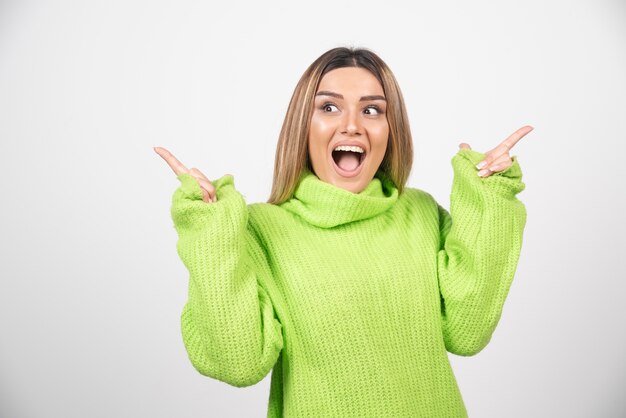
(339, 96)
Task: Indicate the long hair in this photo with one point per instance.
(291, 151)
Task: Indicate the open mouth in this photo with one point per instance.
(348, 163)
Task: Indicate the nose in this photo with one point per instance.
(351, 123)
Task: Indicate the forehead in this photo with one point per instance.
(351, 79)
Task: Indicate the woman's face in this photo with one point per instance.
(350, 110)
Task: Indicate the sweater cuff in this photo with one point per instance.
(507, 181)
(190, 189)
(191, 213)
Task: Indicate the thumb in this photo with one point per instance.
(463, 145)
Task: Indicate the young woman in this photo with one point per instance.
(348, 285)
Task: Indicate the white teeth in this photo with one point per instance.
(349, 148)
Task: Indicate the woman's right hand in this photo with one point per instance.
(208, 190)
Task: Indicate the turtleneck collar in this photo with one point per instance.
(326, 205)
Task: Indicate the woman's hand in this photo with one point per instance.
(498, 159)
(208, 190)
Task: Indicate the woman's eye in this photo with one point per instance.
(373, 110)
(328, 107)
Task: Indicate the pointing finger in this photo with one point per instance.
(504, 147)
(514, 138)
(169, 158)
(198, 173)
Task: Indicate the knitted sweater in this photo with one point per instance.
(351, 299)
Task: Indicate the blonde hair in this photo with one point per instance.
(292, 149)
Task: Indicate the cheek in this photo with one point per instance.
(318, 137)
(320, 129)
(379, 134)
(320, 132)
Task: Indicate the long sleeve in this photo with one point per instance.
(481, 239)
(229, 326)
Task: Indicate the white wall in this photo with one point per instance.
(91, 287)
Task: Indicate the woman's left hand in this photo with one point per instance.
(498, 159)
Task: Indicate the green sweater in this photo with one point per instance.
(352, 299)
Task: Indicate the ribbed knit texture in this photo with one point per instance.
(354, 300)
